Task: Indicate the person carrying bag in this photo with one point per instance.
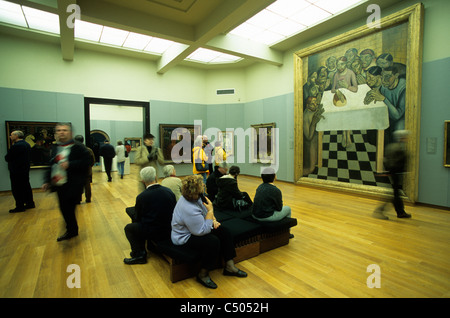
(200, 165)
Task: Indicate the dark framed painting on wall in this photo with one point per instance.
(263, 143)
(134, 142)
(40, 136)
(172, 134)
(351, 93)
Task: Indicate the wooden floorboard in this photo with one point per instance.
(335, 241)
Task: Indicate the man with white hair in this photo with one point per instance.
(152, 218)
(171, 181)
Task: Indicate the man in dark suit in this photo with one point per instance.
(108, 152)
(152, 218)
(18, 158)
(67, 175)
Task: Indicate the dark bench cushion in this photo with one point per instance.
(274, 226)
(241, 229)
(222, 216)
(181, 253)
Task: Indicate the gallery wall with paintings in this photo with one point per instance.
(267, 94)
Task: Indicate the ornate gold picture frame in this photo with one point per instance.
(351, 105)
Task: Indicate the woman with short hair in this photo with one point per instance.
(194, 226)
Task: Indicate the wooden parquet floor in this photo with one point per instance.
(335, 241)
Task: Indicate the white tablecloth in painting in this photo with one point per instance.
(354, 115)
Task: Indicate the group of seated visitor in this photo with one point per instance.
(189, 220)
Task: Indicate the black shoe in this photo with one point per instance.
(30, 206)
(404, 215)
(207, 283)
(135, 260)
(66, 236)
(17, 210)
(239, 273)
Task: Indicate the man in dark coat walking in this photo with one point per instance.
(18, 158)
(108, 153)
(67, 175)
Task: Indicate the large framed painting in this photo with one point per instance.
(40, 136)
(352, 92)
(172, 134)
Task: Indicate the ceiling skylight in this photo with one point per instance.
(137, 41)
(128, 40)
(26, 17)
(113, 36)
(284, 18)
(209, 56)
(158, 45)
(41, 20)
(88, 31)
(11, 13)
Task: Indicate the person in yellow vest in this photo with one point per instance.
(219, 154)
(200, 164)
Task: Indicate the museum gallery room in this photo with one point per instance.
(324, 94)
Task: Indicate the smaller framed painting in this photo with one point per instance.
(40, 136)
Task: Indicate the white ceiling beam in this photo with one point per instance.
(232, 44)
(175, 54)
(224, 18)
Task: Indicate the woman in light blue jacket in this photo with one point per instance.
(194, 226)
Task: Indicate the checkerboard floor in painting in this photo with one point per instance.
(355, 164)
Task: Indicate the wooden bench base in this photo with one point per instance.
(244, 250)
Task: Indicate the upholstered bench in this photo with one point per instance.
(184, 262)
(246, 237)
(251, 237)
(274, 234)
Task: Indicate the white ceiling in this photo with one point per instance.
(193, 24)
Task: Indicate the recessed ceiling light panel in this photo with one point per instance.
(11, 13)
